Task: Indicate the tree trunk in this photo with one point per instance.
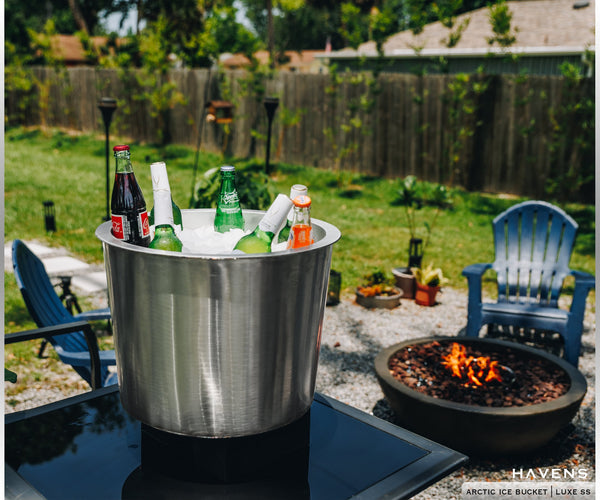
(78, 16)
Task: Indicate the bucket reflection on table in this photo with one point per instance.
(217, 345)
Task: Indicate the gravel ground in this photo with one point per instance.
(352, 337)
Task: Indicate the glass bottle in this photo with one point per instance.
(229, 213)
(259, 241)
(164, 231)
(301, 231)
(297, 190)
(127, 206)
(177, 220)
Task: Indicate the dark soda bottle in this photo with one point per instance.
(127, 206)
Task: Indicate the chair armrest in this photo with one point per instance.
(107, 358)
(95, 315)
(584, 282)
(474, 273)
(584, 279)
(51, 331)
(476, 270)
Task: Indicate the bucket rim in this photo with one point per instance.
(332, 235)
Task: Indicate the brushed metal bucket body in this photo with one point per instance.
(217, 345)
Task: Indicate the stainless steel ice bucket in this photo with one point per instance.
(217, 345)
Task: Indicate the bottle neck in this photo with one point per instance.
(228, 183)
(297, 190)
(163, 230)
(276, 215)
(163, 208)
(123, 163)
(301, 216)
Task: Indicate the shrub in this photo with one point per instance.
(255, 189)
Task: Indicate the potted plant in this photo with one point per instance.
(378, 291)
(413, 195)
(429, 282)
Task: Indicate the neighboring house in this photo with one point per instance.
(69, 48)
(304, 61)
(548, 33)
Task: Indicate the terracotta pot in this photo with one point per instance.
(379, 301)
(405, 280)
(425, 295)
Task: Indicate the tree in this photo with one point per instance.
(67, 16)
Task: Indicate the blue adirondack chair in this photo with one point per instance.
(533, 243)
(46, 309)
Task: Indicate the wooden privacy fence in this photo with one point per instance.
(489, 133)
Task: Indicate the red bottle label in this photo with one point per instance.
(118, 226)
(144, 224)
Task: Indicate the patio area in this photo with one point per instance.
(352, 337)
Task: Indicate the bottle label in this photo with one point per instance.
(231, 197)
(276, 215)
(300, 236)
(163, 208)
(144, 224)
(120, 226)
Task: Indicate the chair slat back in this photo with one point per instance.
(44, 305)
(40, 297)
(533, 244)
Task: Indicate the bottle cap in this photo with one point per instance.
(227, 168)
(297, 190)
(302, 201)
(122, 147)
(160, 180)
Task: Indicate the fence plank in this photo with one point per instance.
(411, 129)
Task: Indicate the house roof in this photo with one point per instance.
(298, 60)
(69, 48)
(553, 26)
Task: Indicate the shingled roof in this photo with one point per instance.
(551, 25)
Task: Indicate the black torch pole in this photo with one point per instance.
(107, 105)
(271, 104)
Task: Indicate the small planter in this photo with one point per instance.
(405, 280)
(425, 295)
(379, 301)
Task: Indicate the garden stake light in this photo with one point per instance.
(49, 216)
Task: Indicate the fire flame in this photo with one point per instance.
(475, 371)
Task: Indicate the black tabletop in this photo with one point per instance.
(88, 447)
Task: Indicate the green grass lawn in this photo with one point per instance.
(69, 169)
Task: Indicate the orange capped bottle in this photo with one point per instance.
(301, 230)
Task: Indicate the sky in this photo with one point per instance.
(111, 23)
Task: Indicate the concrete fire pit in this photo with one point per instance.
(481, 430)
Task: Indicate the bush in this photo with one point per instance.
(255, 189)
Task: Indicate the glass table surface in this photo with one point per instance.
(88, 447)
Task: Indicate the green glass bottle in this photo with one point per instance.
(164, 232)
(259, 240)
(229, 213)
(297, 190)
